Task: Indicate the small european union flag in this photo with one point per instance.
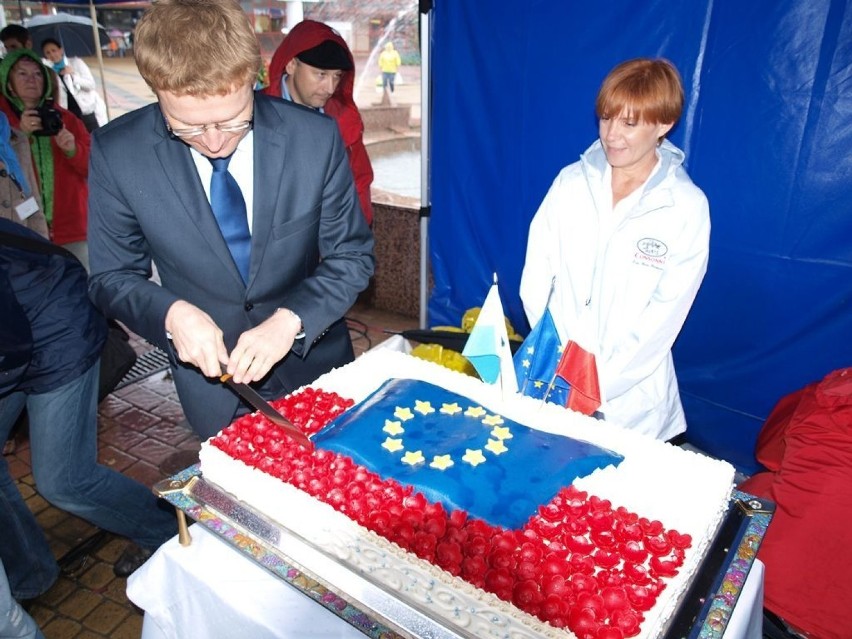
(536, 360)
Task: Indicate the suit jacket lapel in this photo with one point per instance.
(270, 150)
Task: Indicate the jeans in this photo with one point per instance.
(388, 80)
(63, 446)
(14, 620)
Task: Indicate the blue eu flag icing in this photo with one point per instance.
(460, 453)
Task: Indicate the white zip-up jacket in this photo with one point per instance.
(81, 84)
(623, 285)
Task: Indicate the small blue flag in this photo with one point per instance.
(487, 347)
(536, 360)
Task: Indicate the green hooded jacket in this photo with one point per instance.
(42, 149)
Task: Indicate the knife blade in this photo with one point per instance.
(257, 402)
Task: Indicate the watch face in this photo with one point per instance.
(301, 332)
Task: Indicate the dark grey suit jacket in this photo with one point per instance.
(311, 251)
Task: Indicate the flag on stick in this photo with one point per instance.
(578, 367)
(487, 348)
(535, 363)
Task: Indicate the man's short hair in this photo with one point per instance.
(196, 47)
(15, 32)
(328, 55)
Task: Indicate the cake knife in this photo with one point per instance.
(257, 402)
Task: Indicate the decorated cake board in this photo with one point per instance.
(703, 612)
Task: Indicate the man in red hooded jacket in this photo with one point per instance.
(313, 66)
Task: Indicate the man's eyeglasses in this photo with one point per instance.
(224, 127)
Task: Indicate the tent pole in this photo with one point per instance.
(425, 157)
(99, 53)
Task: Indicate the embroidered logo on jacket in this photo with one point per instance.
(651, 247)
(652, 252)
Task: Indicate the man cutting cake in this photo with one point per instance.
(258, 259)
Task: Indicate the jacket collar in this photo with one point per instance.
(594, 163)
(594, 159)
(179, 168)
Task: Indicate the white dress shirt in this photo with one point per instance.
(241, 167)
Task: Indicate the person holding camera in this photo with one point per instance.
(59, 143)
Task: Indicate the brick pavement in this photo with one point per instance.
(139, 427)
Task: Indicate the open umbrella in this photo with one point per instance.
(74, 33)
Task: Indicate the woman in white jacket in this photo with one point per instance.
(625, 233)
(77, 88)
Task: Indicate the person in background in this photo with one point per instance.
(314, 67)
(625, 233)
(245, 203)
(15, 36)
(78, 83)
(389, 63)
(19, 200)
(59, 143)
(50, 344)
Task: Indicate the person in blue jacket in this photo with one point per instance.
(51, 338)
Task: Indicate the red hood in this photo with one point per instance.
(341, 106)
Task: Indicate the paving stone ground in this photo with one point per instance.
(140, 426)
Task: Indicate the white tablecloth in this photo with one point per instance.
(211, 590)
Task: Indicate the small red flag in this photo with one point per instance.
(577, 367)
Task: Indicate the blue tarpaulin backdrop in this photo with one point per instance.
(767, 130)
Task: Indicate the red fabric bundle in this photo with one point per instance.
(806, 445)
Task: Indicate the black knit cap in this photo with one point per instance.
(326, 55)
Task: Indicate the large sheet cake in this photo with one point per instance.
(610, 556)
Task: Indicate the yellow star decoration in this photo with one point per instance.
(412, 458)
(538, 383)
(473, 457)
(441, 462)
(393, 445)
(403, 413)
(424, 408)
(501, 432)
(450, 409)
(496, 446)
(492, 420)
(393, 428)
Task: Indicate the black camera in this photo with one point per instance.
(51, 120)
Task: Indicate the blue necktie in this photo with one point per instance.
(229, 207)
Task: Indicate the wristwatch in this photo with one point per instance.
(301, 333)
